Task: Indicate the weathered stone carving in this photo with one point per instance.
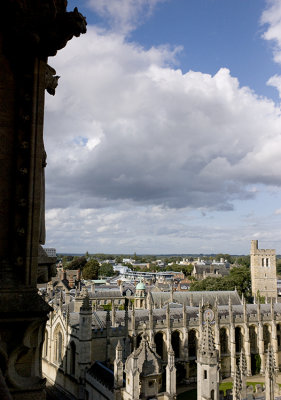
(30, 31)
(40, 27)
(51, 80)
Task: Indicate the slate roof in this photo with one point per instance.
(176, 313)
(196, 297)
(102, 374)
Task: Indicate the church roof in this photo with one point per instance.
(103, 374)
(222, 297)
(176, 313)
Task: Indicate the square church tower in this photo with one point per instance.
(263, 271)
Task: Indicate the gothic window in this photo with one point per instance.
(253, 339)
(45, 348)
(176, 343)
(192, 343)
(72, 358)
(139, 339)
(223, 341)
(158, 338)
(58, 346)
(238, 339)
(266, 336)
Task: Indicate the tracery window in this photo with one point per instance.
(192, 343)
(45, 347)
(72, 358)
(266, 336)
(253, 339)
(238, 339)
(58, 346)
(223, 341)
(176, 343)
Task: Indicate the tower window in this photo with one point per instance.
(205, 374)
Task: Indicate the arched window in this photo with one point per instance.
(253, 339)
(158, 339)
(45, 347)
(238, 339)
(58, 345)
(72, 358)
(192, 343)
(139, 337)
(176, 343)
(266, 336)
(223, 341)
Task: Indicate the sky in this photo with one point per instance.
(164, 135)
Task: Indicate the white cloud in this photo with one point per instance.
(275, 81)
(153, 134)
(135, 145)
(272, 18)
(124, 16)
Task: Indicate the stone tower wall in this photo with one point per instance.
(263, 271)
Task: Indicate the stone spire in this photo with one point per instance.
(270, 375)
(237, 384)
(207, 366)
(141, 366)
(113, 313)
(184, 316)
(60, 299)
(243, 373)
(86, 304)
(171, 294)
(207, 343)
(168, 321)
(245, 315)
(133, 319)
(118, 366)
(171, 386)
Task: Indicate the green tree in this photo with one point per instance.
(91, 270)
(239, 278)
(278, 266)
(243, 261)
(227, 257)
(77, 262)
(106, 269)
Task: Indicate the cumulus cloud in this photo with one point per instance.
(136, 147)
(124, 16)
(275, 81)
(124, 125)
(271, 17)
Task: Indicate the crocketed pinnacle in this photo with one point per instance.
(86, 304)
(237, 384)
(270, 362)
(243, 364)
(208, 345)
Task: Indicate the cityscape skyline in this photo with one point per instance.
(163, 134)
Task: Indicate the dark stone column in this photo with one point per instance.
(30, 31)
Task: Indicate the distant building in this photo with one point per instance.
(51, 252)
(263, 271)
